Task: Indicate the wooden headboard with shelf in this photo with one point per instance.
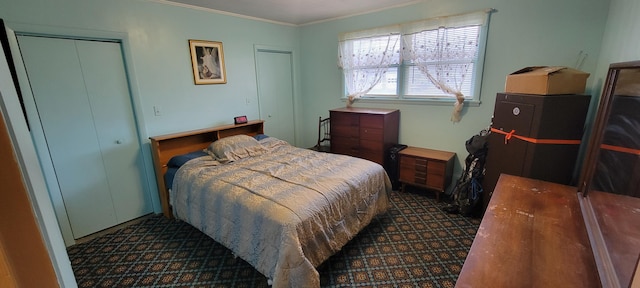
(164, 147)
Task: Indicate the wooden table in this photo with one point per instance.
(532, 235)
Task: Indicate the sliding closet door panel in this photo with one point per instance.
(107, 87)
(56, 78)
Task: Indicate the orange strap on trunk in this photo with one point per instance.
(512, 133)
(620, 149)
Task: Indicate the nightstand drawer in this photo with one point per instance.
(413, 176)
(436, 167)
(436, 181)
(420, 178)
(407, 174)
(407, 161)
(410, 161)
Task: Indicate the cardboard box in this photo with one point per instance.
(547, 80)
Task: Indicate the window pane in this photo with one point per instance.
(388, 84)
(446, 44)
(360, 80)
(417, 84)
(371, 52)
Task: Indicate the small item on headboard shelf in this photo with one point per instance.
(240, 119)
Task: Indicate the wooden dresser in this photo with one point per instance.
(364, 132)
(427, 168)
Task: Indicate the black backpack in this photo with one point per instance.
(467, 194)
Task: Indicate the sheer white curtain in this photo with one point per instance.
(444, 49)
(365, 57)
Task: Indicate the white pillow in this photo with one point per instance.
(235, 147)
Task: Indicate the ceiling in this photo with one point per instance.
(293, 12)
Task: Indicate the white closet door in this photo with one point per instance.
(83, 101)
(108, 91)
(275, 92)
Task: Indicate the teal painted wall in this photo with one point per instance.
(522, 33)
(158, 41)
(621, 37)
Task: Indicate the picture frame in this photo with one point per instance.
(203, 55)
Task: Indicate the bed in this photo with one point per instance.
(283, 209)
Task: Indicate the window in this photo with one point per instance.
(446, 54)
(370, 61)
(433, 60)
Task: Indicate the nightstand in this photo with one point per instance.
(426, 168)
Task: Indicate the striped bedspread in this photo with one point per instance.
(284, 212)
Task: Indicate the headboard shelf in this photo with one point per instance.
(164, 147)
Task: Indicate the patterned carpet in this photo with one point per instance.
(415, 244)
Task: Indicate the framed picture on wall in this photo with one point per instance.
(207, 61)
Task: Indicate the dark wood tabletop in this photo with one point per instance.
(532, 235)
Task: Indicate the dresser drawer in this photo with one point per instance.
(371, 134)
(344, 131)
(371, 157)
(372, 150)
(345, 146)
(346, 141)
(345, 150)
(345, 119)
(372, 121)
